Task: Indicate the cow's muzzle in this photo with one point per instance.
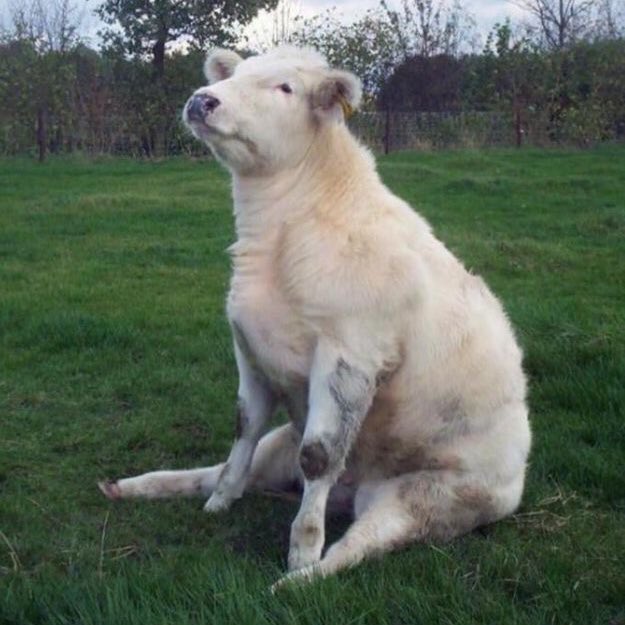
(200, 105)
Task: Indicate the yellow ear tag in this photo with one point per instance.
(348, 109)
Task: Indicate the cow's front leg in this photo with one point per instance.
(255, 406)
(341, 391)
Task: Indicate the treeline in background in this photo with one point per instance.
(431, 77)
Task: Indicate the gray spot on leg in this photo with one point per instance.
(454, 420)
(241, 418)
(451, 409)
(314, 460)
(352, 391)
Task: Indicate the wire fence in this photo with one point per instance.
(381, 131)
(386, 131)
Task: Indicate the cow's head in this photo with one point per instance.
(262, 114)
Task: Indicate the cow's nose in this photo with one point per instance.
(200, 105)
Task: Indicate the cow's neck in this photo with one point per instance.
(334, 166)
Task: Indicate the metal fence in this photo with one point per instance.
(385, 131)
(381, 131)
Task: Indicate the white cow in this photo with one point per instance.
(398, 367)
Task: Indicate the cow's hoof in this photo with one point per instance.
(297, 578)
(301, 557)
(216, 503)
(110, 489)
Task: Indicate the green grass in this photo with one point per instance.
(115, 358)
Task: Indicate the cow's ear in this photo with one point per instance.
(338, 94)
(220, 64)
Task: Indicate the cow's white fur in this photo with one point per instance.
(398, 367)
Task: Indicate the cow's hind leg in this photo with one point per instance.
(274, 467)
(423, 506)
(161, 484)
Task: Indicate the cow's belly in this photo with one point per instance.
(271, 336)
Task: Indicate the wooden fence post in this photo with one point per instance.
(517, 126)
(387, 131)
(42, 133)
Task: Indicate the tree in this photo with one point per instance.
(368, 46)
(276, 27)
(38, 77)
(515, 67)
(50, 26)
(431, 27)
(595, 88)
(610, 22)
(425, 83)
(147, 28)
(559, 23)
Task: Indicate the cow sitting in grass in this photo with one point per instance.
(398, 367)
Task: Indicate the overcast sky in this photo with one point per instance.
(486, 12)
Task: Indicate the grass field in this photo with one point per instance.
(115, 358)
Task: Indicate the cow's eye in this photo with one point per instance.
(286, 88)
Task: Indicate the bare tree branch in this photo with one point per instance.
(50, 25)
(560, 22)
